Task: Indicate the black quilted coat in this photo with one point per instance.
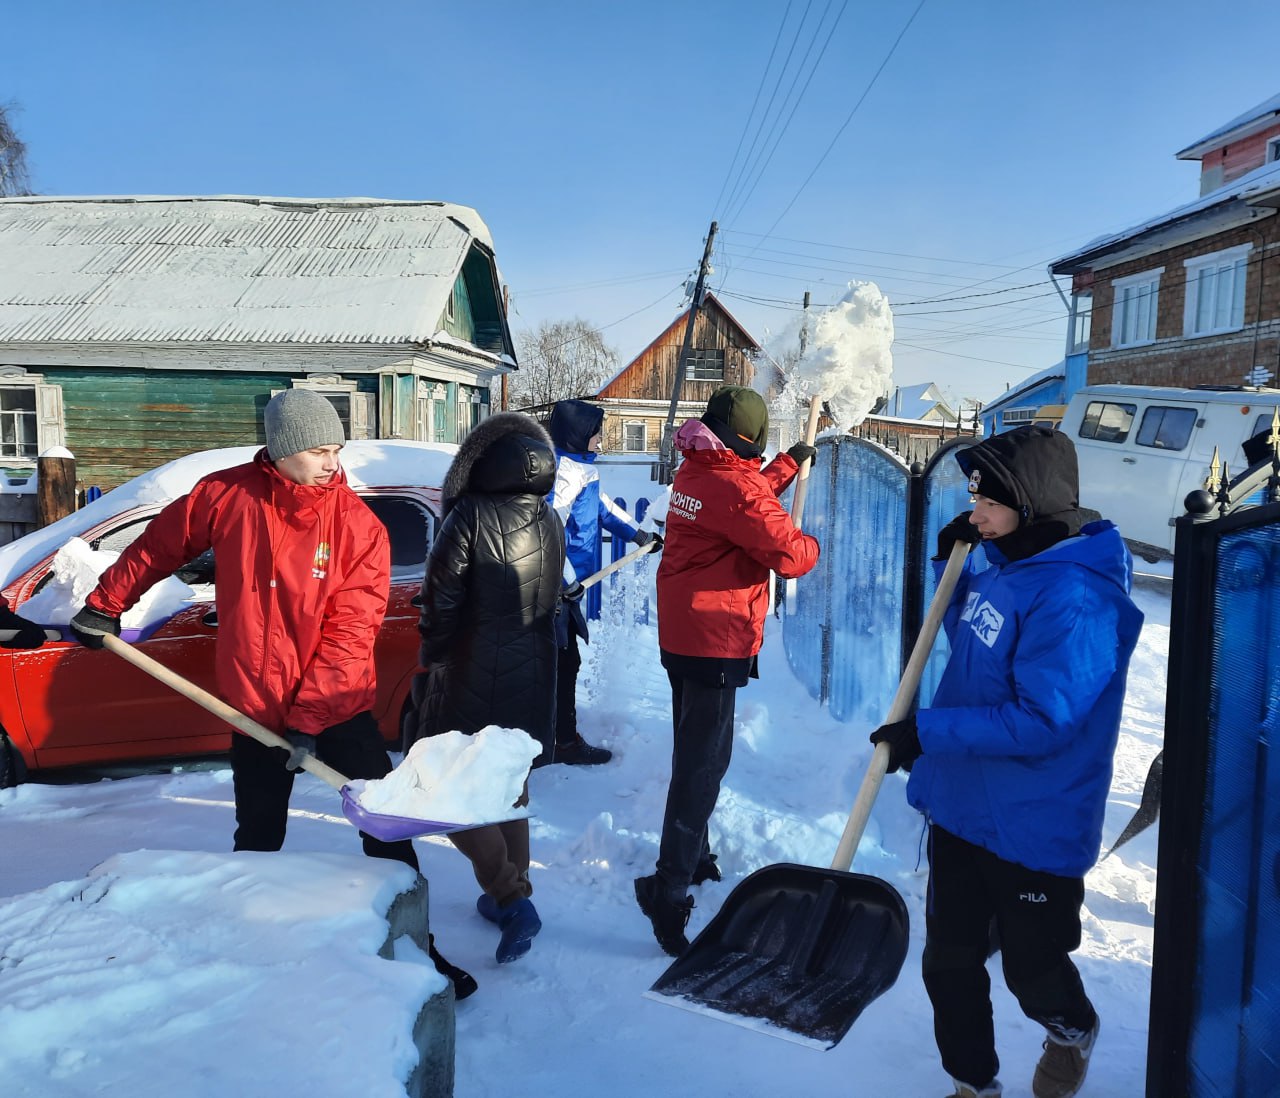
(491, 588)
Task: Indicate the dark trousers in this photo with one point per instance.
(262, 784)
(702, 718)
(1037, 917)
(568, 664)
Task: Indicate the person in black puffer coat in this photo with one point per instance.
(489, 601)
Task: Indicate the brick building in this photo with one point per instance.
(1192, 296)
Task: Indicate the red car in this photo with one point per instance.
(66, 705)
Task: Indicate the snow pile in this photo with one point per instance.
(457, 778)
(75, 573)
(180, 972)
(847, 360)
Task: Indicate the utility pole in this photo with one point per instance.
(666, 455)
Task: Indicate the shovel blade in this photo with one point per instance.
(392, 829)
(798, 948)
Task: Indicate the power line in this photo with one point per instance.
(869, 251)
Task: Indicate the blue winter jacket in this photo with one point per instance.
(1019, 740)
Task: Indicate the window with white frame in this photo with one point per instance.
(635, 436)
(31, 419)
(1133, 319)
(1215, 291)
(1081, 322)
(1273, 150)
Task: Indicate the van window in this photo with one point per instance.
(1107, 422)
(1166, 428)
(1262, 423)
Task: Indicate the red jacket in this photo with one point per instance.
(725, 531)
(303, 575)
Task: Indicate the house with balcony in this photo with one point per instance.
(1189, 297)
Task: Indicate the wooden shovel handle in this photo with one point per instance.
(621, 562)
(802, 477)
(901, 706)
(218, 707)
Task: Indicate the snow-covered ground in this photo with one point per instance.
(570, 1017)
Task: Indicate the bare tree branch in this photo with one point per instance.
(14, 179)
(560, 360)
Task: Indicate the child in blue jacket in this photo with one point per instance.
(1011, 764)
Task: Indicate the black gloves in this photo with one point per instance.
(302, 744)
(904, 744)
(26, 634)
(90, 626)
(645, 537)
(958, 529)
(573, 592)
(802, 452)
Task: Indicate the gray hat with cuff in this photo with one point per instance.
(300, 419)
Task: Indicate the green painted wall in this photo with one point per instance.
(122, 422)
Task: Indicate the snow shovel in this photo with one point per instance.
(799, 952)
(380, 825)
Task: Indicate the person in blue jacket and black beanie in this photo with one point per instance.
(575, 429)
(1011, 763)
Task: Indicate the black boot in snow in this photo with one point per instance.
(464, 983)
(580, 753)
(707, 870)
(667, 915)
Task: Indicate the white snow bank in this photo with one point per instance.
(457, 778)
(76, 569)
(147, 976)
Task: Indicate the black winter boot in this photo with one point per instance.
(706, 870)
(668, 916)
(580, 753)
(464, 983)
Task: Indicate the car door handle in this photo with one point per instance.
(1130, 461)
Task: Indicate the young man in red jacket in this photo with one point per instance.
(303, 579)
(726, 531)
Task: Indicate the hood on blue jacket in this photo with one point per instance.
(573, 423)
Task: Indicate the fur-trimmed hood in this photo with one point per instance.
(506, 453)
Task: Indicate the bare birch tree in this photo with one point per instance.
(13, 159)
(559, 360)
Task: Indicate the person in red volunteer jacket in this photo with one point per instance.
(726, 531)
(303, 578)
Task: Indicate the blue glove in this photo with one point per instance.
(301, 745)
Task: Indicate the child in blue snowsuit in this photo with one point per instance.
(575, 429)
(1011, 763)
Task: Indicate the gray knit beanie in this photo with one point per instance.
(300, 419)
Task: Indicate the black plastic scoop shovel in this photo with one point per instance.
(380, 825)
(799, 952)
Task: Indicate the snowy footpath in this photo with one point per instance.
(571, 1018)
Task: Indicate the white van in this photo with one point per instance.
(1143, 448)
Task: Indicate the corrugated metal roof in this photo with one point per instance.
(229, 268)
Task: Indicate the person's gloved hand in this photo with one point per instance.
(647, 537)
(89, 626)
(958, 529)
(904, 744)
(26, 634)
(301, 744)
(573, 592)
(802, 452)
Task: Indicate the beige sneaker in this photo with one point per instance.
(964, 1090)
(1061, 1070)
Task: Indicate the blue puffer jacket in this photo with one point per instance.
(576, 496)
(1019, 740)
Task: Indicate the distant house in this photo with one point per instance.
(134, 330)
(1191, 296)
(922, 402)
(1038, 399)
(637, 398)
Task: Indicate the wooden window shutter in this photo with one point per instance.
(51, 428)
(364, 415)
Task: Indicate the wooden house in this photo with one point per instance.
(637, 398)
(1190, 297)
(134, 330)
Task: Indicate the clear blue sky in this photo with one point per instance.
(599, 140)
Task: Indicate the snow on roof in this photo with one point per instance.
(1257, 182)
(229, 268)
(915, 402)
(1264, 114)
(1056, 372)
